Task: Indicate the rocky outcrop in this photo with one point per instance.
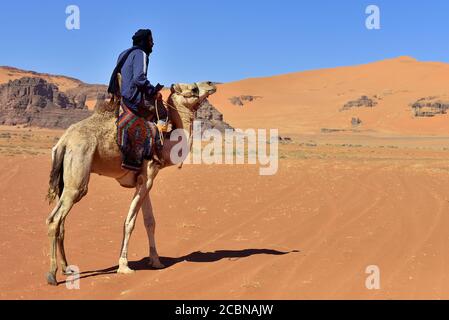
(211, 118)
(355, 122)
(285, 140)
(362, 102)
(430, 107)
(73, 88)
(242, 100)
(35, 102)
(89, 92)
(101, 98)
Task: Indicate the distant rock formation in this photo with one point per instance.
(35, 102)
(330, 130)
(285, 140)
(211, 118)
(101, 98)
(89, 92)
(430, 107)
(240, 101)
(355, 122)
(362, 102)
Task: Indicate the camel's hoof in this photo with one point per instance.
(68, 272)
(156, 264)
(125, 270)
(51, 279)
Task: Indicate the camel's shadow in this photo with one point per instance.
(200, 257)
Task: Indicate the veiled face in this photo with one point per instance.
(150, 44)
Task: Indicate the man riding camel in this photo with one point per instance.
(139, 101)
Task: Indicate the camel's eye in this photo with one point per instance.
(196, 91)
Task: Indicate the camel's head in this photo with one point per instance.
(192, 95)
(186, 99)
(207, 89)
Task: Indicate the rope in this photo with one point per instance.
(157, 111)
(192, 116)
(161, 133)
(176, 109)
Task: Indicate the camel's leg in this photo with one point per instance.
(144, 185)
(77, 164)
(54, 228)
(150, 226)
(128, 229)
(61, 248)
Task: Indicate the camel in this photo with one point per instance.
(90, 147)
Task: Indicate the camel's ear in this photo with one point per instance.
(175, 88)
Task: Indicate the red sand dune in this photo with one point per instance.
(306, 102)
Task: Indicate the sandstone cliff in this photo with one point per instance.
(35, 102)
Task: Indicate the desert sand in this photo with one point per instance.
(225, 232)
(341, 201)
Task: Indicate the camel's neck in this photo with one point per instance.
(180, 116)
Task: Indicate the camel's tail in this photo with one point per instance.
(56, 185)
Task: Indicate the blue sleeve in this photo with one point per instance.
(140, 79)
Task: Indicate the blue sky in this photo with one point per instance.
(219, 40)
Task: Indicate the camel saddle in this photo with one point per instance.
(138, 138)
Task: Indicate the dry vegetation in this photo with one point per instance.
(27, 141)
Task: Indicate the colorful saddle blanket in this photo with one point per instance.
(135, 139)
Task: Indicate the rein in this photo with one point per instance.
(192, 115)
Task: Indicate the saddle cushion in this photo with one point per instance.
(135, 139)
